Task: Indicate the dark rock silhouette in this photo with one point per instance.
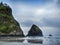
(35, 31)
(50, 35)
(8, 25)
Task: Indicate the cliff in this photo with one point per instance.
(8, 25)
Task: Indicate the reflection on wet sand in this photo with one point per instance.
(40, 41)
(12, 40)
(15, 40)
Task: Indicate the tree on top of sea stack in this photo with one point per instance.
(35, 31)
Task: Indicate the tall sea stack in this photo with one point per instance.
(8, 25)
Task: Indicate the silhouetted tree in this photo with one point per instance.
(1, 3)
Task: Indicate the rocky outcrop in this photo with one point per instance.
(35, 31)
(8, 25)
(50, 35)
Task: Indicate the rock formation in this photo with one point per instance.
(50, 35)
(8, 25)
(35, 31)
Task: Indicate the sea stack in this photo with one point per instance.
(35, 31)
(8, 25)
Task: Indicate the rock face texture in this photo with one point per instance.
(35, 31)
(8, 25)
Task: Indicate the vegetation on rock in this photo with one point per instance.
(8, 25)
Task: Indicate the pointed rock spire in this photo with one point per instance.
(35, 31)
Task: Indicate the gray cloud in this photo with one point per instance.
(52, 22)
(46, 22)
(47, 14)
(27, 23)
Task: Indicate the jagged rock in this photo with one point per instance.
(35, 31)
(8, 25)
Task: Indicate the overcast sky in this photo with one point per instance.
(43, 13)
